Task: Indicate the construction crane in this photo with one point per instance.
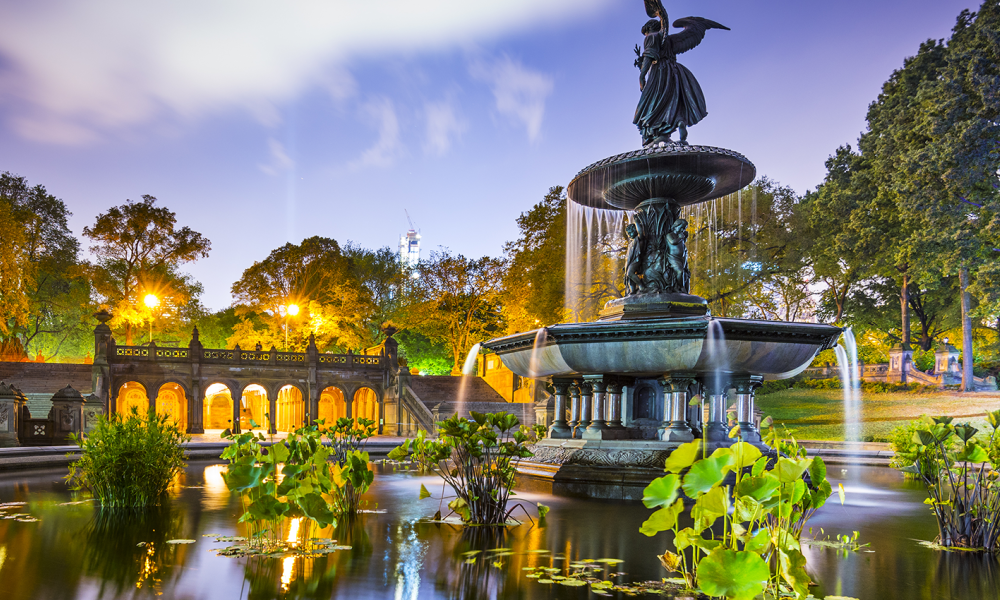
(412, 226)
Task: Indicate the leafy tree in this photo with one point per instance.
(388, 286)
(139, 249)
(424, 354)
(535, 281)
(461, 301)
(16, 270)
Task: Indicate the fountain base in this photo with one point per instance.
(654, 305)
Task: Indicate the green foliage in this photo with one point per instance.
(351, 473)
(902, 443)
(422, 353)
(959, 471)
(762, 514)
(478, 458)
(128, 461)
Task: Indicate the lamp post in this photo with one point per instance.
(151, 302)
(290, 310)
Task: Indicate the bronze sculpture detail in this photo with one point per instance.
(657, 258)
(671, 99)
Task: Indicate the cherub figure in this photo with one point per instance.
(633, 261)
(677, 256)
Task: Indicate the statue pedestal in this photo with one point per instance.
(653, 305)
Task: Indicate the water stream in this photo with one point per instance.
(468, 372)
(847, 361)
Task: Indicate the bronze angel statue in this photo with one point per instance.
(671, 98)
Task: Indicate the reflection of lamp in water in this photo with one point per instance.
(151, 302)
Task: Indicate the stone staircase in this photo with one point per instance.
(439, 395)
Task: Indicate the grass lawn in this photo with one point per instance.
(819, 414)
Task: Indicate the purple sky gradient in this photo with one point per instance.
(260, 128)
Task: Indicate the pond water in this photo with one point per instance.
(72, 552)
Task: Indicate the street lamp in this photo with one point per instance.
(151, 302)
(290, 310)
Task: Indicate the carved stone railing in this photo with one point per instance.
(251, 357)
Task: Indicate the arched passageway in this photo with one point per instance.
(253, 406)
(291, 409)
(365, 404)
(217, 411)
(171, 401)
(132, 395)
(331, 406)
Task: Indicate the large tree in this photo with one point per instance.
(139, 249)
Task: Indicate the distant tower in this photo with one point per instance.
(409, 246)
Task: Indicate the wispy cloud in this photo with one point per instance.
(443, 126)
(77, 71)
(388, 146)
(280, 161)
(520, 92)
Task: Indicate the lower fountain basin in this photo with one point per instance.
(654, 347)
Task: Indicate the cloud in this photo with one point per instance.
(280, 161)
(520, 92)
(72, 71)
(388, 146)
(443, 125)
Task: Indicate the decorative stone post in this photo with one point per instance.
(599, 408)
(615, 406)
(196, 403)
(66, 414)
(92, 411)
(11, 407)
(946, 364)
(574, 409)
(100, 370)
(745, 388)
(560, 429)
(900, 359)
(586, 408)
(716, 430)
(675, 394)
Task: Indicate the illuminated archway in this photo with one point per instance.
(253, 405)
(217, 413)
(332, 406)
(365, 405)
(132, 395)
(171, 401)
(291, 409)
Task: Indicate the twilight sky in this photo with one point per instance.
(260, 122)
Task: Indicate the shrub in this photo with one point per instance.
(478, 458)
(901, 440)
(128, 461)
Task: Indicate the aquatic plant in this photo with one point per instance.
(128, 461)
(762, 514)
(478, 458)
(960, 475)
(351, 473)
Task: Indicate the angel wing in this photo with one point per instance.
(694, 29)
(654, 8)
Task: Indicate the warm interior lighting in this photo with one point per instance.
(293, 309)
(151, 301)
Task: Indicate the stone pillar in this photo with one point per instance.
(560, 428)
(946, 364)
(101, 370)
(11, 408)
(272, 409)
(196, 403)
(716, 430)
(237, 403)
(66, 414)
(574, 411)
(92, 412)
(615, 406)
(586, 408)
(675, 394)
(312, 383)
(745, 388)
(598, 412)
(900, 357)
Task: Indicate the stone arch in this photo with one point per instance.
(171, 401)
(218, 407)
(645, 403)
(333, 405)
(131, 394)
(254, 405)
(290, 407)
(366, 403)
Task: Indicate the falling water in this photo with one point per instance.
(847, 360)
(718, 362)
(468, 372)
(534, 368)
(594, 242)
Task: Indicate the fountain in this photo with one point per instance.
(658, 342)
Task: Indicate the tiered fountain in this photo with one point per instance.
(629, 378)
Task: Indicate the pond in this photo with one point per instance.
(72, 552)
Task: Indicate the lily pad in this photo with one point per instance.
(180, 541)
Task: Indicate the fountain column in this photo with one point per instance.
(598, 410)
(716, 430)
(675, 394)
(615, 406)
(560, 429)
(574, 410)
(586, 403)
(745, 388)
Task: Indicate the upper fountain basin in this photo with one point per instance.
(655, 347)
(678, 172)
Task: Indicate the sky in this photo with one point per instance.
(260, 122)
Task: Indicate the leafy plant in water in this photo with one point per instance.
(478, 458)
(745, 538)
(963, 486)
(351, 474)
(128, 461)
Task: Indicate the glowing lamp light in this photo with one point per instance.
(293, 309)
(151, 301)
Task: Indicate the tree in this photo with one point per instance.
(16, 271)
(535, 282)
(461, 301)
(139, 250)
(388, 286)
